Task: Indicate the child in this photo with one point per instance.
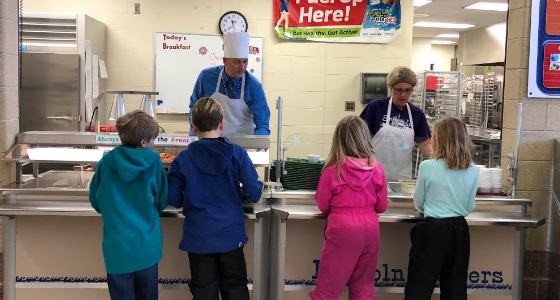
(352, 191)
(129, 190)
(204, 180)
(445, 193)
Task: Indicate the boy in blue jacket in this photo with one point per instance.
(204, 180)
(129, 190)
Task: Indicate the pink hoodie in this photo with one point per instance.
(361, 186)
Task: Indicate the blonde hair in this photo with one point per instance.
(351, 139)
(401, 75)
(452, 143)
(207, 114)
(136, 126)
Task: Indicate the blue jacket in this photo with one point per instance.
(205, 86)
(204, 180)
(129, 190)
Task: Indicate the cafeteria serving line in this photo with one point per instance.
(56, 243)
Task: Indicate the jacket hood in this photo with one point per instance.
(129, 162)
(211, 156)
(356, 172)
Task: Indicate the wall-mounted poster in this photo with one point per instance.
(354, 21)
(544, 57)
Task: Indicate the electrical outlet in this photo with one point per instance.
(136, 8)
(349, 106)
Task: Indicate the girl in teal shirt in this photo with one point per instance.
(445, 193)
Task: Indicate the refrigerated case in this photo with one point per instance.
(55, 60)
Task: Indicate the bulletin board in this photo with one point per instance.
(544, 58)
(179, 58)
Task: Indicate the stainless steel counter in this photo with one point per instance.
(64, 193)
(84, 209)
(403, 215)
(396, 197)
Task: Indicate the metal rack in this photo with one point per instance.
(443, 101)
(473, 92)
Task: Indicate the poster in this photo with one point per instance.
(354, 21)
(544, 57)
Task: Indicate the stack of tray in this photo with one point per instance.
(301, 174)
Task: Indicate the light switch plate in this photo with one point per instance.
(349, 106)
(136, 8)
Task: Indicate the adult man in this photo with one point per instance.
(238, 91)
(396, 125)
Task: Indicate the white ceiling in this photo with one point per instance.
(452, 11)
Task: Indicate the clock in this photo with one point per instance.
(233, 21)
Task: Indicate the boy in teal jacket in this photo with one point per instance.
(129, 190)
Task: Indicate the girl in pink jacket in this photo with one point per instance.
(351, 192)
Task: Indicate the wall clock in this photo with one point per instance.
(233, 21)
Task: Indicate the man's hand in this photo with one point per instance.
(426, 148)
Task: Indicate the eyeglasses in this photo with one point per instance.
(400, 91)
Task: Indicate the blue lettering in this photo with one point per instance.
(395, 278)
(316, 262)
(386, 267)
(497, 277)
(474, 277)
(484, 273)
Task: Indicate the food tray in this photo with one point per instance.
(301, 174)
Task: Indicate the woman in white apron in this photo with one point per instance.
(396, 125)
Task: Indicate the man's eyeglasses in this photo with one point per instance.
(400, 91)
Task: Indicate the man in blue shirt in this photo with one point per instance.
(396, 125)
(238, 91)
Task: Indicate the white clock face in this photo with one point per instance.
(233, 22)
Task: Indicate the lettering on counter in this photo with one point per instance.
(108, 139)
(160, 140)
(387, 276)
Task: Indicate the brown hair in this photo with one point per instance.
(351, 139)
(400, 75)
(207, 114)
(136, 126)
(452, 143)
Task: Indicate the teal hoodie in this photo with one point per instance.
(129, 190)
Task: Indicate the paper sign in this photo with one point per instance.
(102, 69)
(111, 139)
(95, 76)
(174, 140)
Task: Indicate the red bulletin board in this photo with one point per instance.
(551, 78)
(553, 17)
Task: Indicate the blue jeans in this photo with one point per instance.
(139, 285)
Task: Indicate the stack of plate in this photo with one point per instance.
(478, 167)
(496, 180)
(485, 180)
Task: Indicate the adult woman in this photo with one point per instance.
(396, 125)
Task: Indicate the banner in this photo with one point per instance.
(544, 57)
(354, 21)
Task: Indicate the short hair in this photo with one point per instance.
(207, 114)
(400, 75)
(136, 126)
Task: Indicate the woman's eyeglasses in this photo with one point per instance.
(400, 91)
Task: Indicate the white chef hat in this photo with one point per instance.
(236, 45)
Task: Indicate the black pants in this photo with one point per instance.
(219, 273)
(440, 249)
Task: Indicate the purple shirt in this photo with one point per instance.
(375, 115)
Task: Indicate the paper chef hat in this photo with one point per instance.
(236, 45)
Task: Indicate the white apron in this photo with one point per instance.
(393, 148)
(238, 118)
